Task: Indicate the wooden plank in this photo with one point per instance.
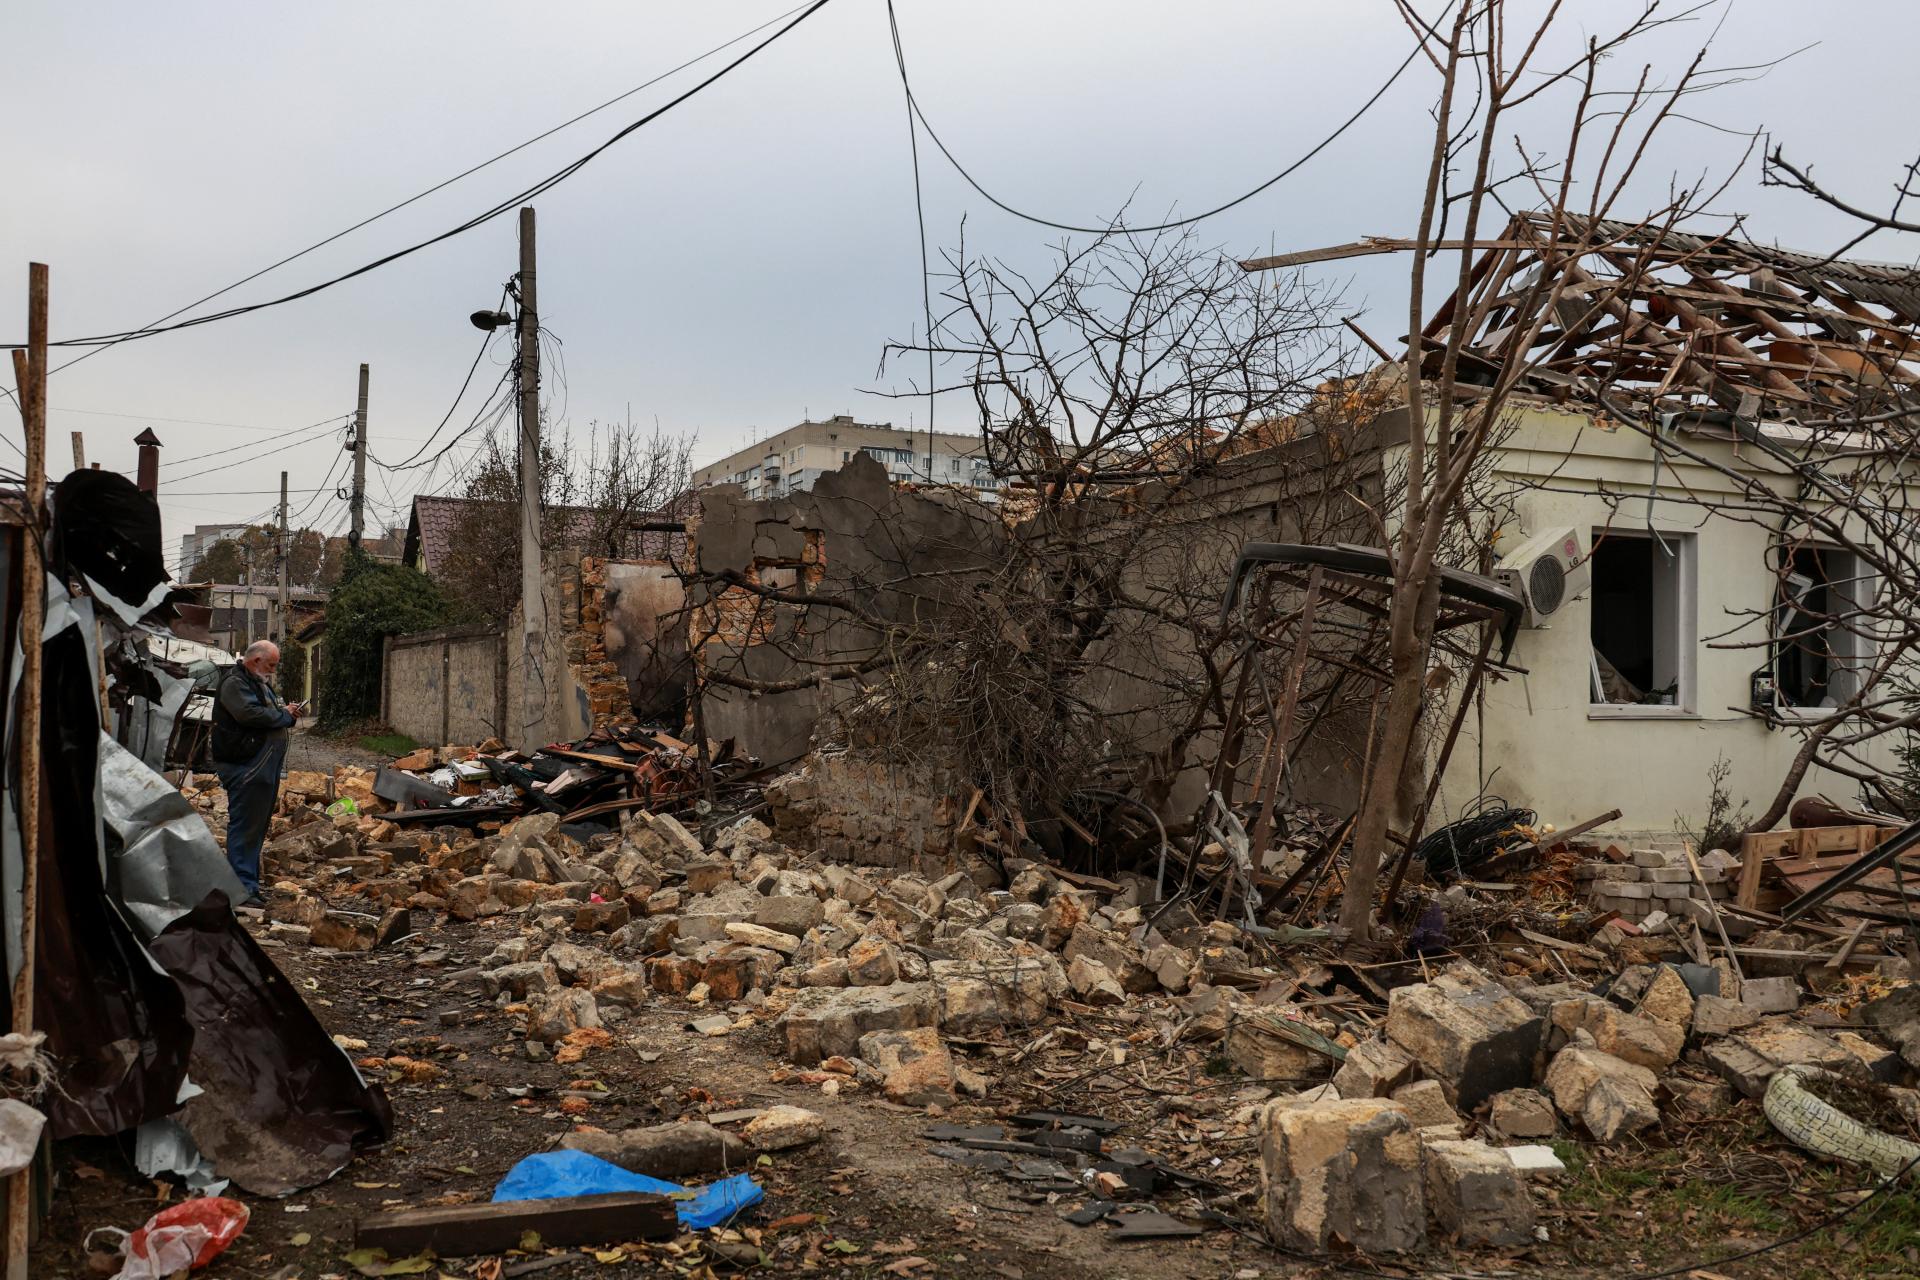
(457, 1230)
(1845, 952)
(1833, 862)
(1713, 908)
(1753, 856)
(587, 757)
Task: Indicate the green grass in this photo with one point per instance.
(387, 744)
(1681, 1215)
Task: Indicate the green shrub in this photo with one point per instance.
(372, 602)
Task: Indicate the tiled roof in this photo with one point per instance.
(430, 531)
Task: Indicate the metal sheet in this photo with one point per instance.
(167, 861)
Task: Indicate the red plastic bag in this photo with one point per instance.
(189, 1234)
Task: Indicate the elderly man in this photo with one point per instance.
(250, 725)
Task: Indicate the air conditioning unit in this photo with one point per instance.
(1545, 571)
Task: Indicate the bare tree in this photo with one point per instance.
(1489, 73)
(590, 499)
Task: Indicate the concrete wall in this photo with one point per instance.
(444, 686)
(1538, 741)
(567, 714)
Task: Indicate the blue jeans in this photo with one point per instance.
(252, 790)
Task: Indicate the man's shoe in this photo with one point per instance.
(256, 901)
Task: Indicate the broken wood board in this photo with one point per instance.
(463, 1229)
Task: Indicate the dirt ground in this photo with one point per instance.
(308, 749)
(870, 1200)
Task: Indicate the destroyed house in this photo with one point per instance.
(1665, 380)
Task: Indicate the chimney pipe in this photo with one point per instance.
(148, 475)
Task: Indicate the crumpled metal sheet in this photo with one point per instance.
(117, 1031)
(149, 723)
(282, 1107)
(168, 861)
(164, 1146)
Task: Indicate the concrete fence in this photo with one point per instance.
(447, 685)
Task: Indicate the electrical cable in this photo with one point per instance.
(241, 462)
(920, 217)
(539, 137)
(914, 104)
(254, 444)
(486, 340)
(543, 185)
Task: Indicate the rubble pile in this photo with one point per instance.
(1380, 1108)
(1652, 886)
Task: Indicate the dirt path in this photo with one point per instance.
(870, 1185)
(307, 749)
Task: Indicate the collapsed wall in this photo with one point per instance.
(858, 807)
(794, 596)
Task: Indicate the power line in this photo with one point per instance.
(253, 444)
(486, 340)
(920, 217)
(241, 462)
(914, 104)
(545, 184)
(539, 137)
(230, 493)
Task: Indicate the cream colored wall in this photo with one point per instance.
(1539, 743)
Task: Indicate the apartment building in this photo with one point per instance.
(793, 459)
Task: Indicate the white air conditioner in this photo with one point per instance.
(1545, 571)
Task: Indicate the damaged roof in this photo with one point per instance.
(1681, 321)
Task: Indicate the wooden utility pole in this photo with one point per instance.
(359, 507)
(79, 452)
(30, 375)
(246, 623)
(281, 634)
(533, 682)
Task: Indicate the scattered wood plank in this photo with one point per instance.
(587, 757)
(1561, 944)
(1713, 909)
(458, 1230)
(1845, 952)
(1574, 832)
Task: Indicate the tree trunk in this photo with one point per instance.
(1415, 604)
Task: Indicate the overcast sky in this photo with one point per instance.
(739, 263)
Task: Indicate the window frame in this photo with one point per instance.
(1686, 622)
(1861, 657)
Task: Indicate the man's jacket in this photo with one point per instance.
(246, 713)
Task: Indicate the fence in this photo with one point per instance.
(448, 685)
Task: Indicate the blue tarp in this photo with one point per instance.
(553, 1174)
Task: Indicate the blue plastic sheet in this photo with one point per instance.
(553, 1174)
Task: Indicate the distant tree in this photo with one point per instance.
(587, 502)
(373, 601)
(306, 553)
(221, 562)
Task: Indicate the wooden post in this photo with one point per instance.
(30, 370)
(357, 507)
(79, 452)
(284, 631)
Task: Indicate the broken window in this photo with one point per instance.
(1642, 605)
(1818, 646)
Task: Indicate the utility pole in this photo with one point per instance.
(30, 379)
(79, 452)
(281, 634)
(246, 625)
(533, 681)
(359, 507)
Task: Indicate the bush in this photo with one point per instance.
(372, 602)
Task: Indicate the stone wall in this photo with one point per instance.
(852, 806)
(446, 685)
